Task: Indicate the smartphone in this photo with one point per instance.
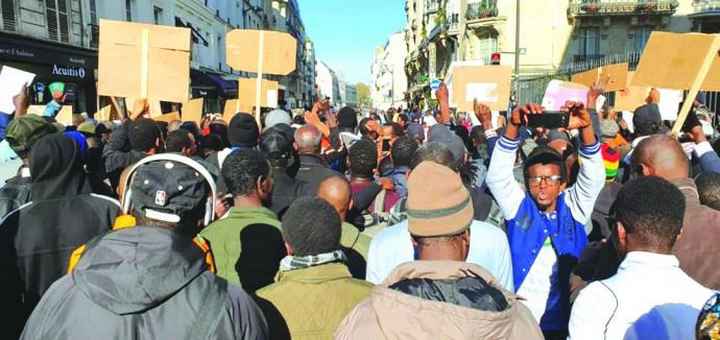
(549, 120)
(386, 145)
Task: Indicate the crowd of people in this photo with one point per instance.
(339, 224)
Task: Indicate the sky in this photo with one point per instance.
(345, 32)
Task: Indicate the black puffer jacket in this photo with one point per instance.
(144, 283)
(37, 240)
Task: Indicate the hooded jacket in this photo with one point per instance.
(36, 240)
(144, 283)
(391, 313)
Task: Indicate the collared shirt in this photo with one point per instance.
(489, 248)
(649, 295)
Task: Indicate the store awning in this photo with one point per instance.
(212, 81)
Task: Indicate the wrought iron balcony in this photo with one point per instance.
(432, 6)
(706, 8)
(587, 8)
(481, 10)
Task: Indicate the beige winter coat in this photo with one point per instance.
(391, 314)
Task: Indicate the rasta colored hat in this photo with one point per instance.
(611, 159)
(23, 132)
(438, 203)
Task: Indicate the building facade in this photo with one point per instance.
(389, 81)
(58, 40)
(328, 85)
(351, 97)
(705, 16)
(297, 88)
(556, 36)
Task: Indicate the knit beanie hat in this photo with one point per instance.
(275, 117)
(611, 159)
(609, 128)
(438, 203)
(243, 131)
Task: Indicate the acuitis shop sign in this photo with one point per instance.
(66, 71)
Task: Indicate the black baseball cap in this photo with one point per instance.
(165, 190)
(544, 155)
(647, 120)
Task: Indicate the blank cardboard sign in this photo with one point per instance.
(192, 111)
(168, 117)
(488, 84)
(632, 97)
(233, 106)
(144, 61)
(674, 60)
(616, 76)
(246, 92)
(278, 55)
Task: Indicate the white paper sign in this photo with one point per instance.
(272, 98)
(669, 104)
(482, 92)
(12, 81)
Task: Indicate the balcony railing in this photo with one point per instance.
(481, 10)
(585, 8)
(582, 63)
(706, 7)
(432, 6)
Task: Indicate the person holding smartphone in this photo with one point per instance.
(545, 219)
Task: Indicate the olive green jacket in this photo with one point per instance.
(247, 246)
(310, 303)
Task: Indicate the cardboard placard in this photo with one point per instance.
(558, 92)
(192, 111)
(674, 60)
(65, 115)
(488, 84)
(269, 52)
(632, 97)
(246, 93)
(36, 110)
(233, 106)
(615, 76)
(103, 114)
(168, 117)
(154, 107)
(144, 61)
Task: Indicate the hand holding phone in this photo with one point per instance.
(548, 120)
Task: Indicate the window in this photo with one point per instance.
(157, 15)
(8, 14)
(57, 19)
(640, 38)
(588, 44)
(94, 28)
(128, 10)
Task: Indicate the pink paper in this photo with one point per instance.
(558, 92)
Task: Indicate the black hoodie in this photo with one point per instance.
(37, 240)
(144, 283)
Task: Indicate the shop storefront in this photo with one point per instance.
(52, 62)
(214, 88)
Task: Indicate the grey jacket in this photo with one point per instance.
(144, 283)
